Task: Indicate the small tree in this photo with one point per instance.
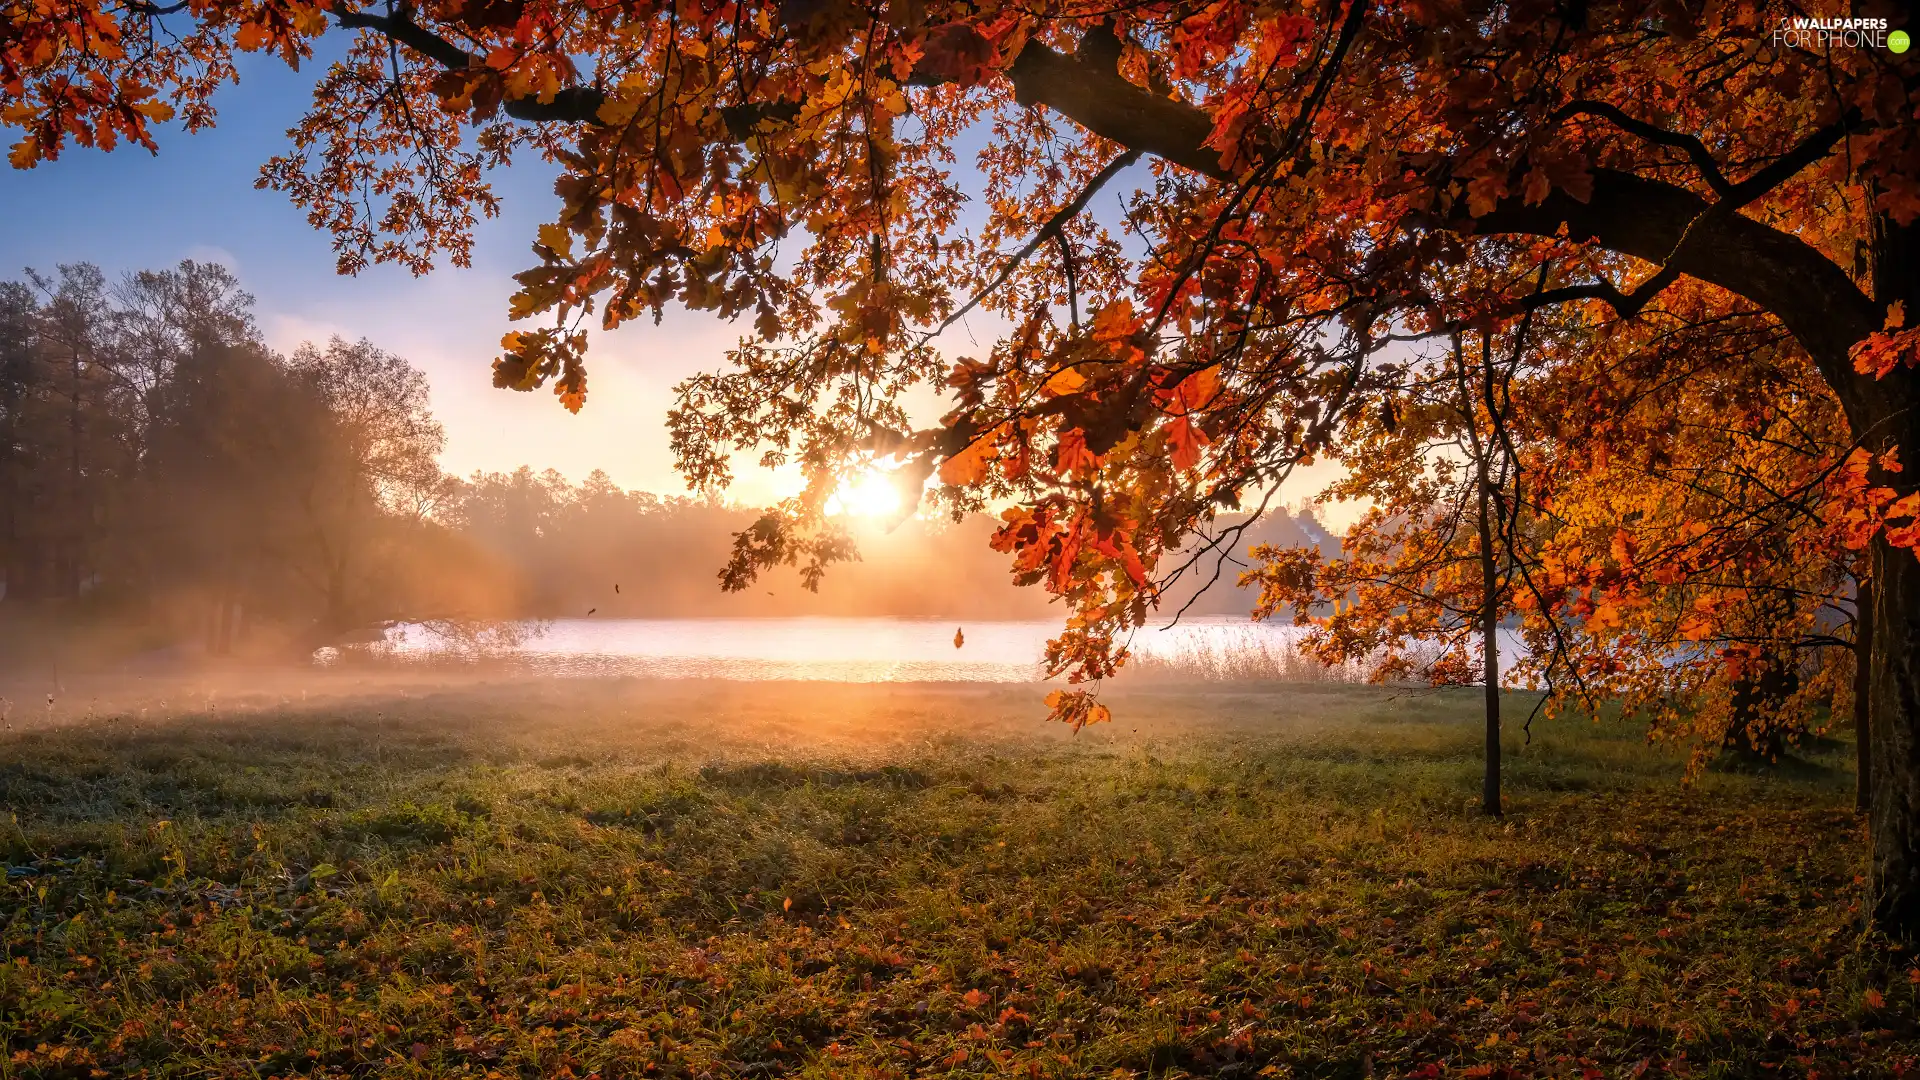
(1437, 463)
(370, 480)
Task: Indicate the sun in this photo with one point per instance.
(870, 494)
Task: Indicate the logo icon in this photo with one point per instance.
(1806, 33)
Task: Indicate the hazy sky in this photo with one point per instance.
(129, 210)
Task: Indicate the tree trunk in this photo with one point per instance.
(1754, 730)
(1862, 694)
(222, 624)
(1490, 650)
(71, 560)
(1894, 784)
(1893, 816)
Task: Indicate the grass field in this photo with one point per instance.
(711, 880)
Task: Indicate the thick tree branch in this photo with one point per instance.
(574, 104)
(412, 35)
(1647, 219)
(1781, 169)
(1093, 95)
(741, 120)
(1695, 150)
(1732, 198)
(1105, 103)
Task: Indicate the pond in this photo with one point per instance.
(839, 649)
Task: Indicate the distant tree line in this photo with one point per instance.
(160, 463)
(157, 456)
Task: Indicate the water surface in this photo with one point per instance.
(836, 649)
(859, 649)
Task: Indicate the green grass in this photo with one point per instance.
(630, 879)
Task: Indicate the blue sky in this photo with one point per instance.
(129, 210)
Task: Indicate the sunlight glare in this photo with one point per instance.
(871, 494)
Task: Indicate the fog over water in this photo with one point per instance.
(841, 649)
